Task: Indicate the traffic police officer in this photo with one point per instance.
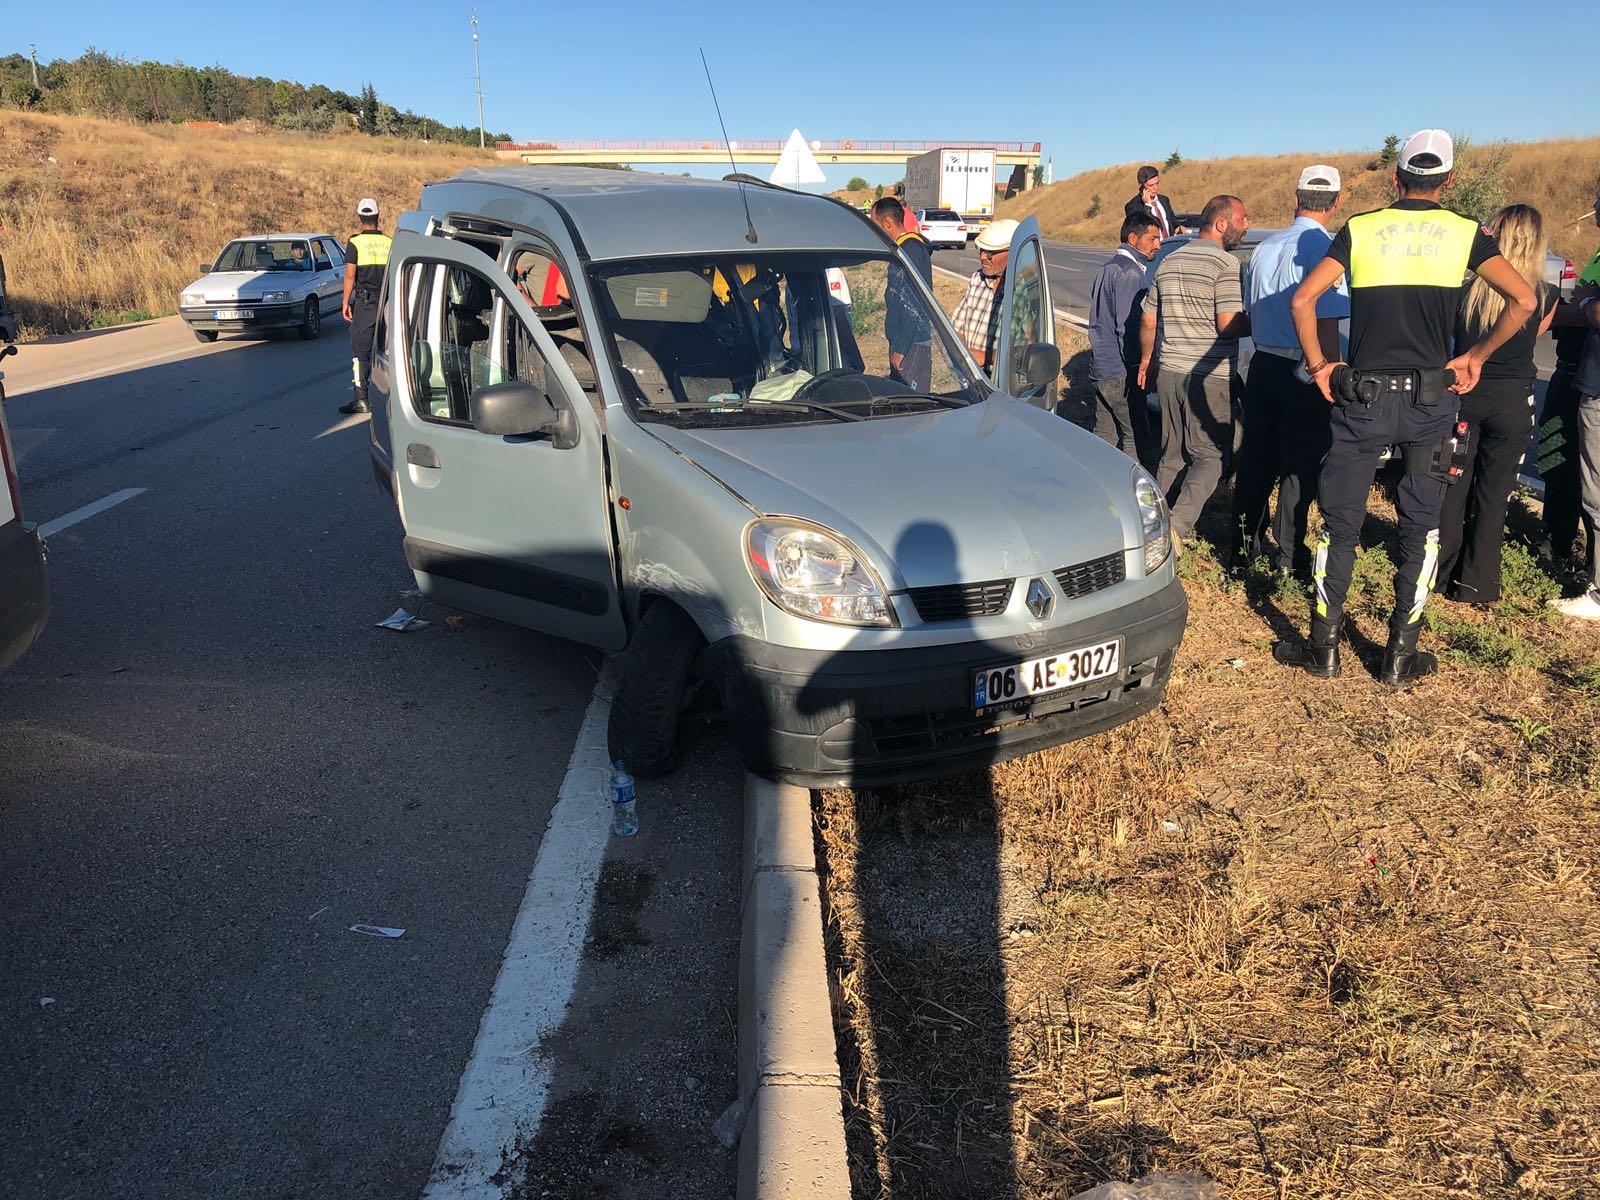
(1405, 265)
(366, 257)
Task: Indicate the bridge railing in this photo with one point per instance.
(770, 144)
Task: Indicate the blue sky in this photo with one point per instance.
(1095, 84)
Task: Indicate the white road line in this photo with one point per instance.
(503, 1091)
(116, 368)
(50, 528)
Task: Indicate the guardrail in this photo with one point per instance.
(773, 144)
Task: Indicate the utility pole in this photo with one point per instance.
(33, 56)
(477, 75)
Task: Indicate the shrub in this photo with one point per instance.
(1094, 206)
(857, 184)
(1478, 189)
(1390, 154)
(1174, 159)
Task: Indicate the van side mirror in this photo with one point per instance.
(518, 409)
(1041, 363)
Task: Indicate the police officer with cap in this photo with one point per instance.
(1405, 265)
(366, 257)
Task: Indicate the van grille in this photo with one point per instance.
(1087, 578)
(961, 601)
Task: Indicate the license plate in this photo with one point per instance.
(234, 314)
(1015, 685)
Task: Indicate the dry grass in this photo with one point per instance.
(1556, 177)
(115, 226)
(1308, 939)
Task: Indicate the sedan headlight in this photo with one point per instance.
(1154, 524)
(274, 297)
(193, 298)
(812, 573)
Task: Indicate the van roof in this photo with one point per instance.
(639, 214)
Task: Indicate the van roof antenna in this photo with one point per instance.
(749, 225)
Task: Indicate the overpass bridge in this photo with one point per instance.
(1022, 157)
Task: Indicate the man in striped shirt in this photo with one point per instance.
(1197, 300)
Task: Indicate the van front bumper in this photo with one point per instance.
(877, 717)
(24, 590)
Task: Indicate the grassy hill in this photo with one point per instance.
(1556, 177)
(103, 222)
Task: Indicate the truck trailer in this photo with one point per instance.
(960, 180)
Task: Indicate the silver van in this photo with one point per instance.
(626, 409)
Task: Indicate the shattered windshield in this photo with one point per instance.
(265, 254)
(725, 341)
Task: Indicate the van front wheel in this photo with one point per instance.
(651, 688)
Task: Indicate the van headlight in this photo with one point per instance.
(1154, 524)
(808, 571)
(274, 297)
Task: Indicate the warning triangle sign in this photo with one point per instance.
(797, 165)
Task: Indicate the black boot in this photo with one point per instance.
(1319, 655)
(1403, 663)
(358, 405)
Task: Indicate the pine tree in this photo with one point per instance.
(368, 121)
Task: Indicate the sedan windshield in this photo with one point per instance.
(778, 338)
(267, 254)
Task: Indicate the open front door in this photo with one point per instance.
(1027, 320)
(514, 527)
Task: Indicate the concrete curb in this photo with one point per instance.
(793, 1140)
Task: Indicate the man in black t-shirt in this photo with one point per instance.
(1405, 265)
(366, 258)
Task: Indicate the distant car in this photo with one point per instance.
(1558, 273)
(258, 284)
(943, 228)
(24, 584)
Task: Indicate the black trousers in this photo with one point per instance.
(1286, 436)
(1359, 433)
(1122, 417)
(1558, 459)
(1499, 417)
(363, 319)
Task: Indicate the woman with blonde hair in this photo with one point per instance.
(1499, 413)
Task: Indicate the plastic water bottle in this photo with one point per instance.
(624, 814)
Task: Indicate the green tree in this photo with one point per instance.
(1478, 188)
(1038, 176)
(878, 192)
(1094, 206)
(1390, 152)
(857, 184)
(1174, 159)
(368, 123)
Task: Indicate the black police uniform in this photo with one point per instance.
(369, 251)
(1405, 265)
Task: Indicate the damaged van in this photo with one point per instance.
(630, 410)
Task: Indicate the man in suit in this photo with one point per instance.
(1151, 201)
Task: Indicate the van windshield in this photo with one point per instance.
(778, 338)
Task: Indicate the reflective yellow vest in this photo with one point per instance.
(1397, 247)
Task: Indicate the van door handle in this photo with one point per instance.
(419, 455)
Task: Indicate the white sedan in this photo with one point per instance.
(943, 229)
(257, 284)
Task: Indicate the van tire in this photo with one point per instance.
(652, 686)
(205, 335)
(311, 322)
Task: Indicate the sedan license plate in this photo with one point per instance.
(1015, 685)
(234, 314)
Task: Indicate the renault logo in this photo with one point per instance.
(1040, 601)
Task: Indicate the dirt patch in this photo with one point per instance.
(1312, 939)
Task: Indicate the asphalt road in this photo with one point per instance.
(213, 766)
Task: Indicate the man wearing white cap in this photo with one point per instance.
(366, 258)
(1405, 264)
(977, 315)
(1285, 418)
